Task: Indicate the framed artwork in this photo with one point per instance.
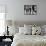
(30, 9)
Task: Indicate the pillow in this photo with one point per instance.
(13, 30)
(24, 30)
(44, 29)
(28, 26)
(21, 30)
(36, 30)
(28, 31)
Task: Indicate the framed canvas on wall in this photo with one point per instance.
(30, 9)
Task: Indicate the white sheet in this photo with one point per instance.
(19, 38)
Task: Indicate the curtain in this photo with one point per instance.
(2, 19)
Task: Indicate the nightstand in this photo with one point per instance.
(6, 40)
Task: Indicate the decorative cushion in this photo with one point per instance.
(13, 30)
(36, 30)
(28, 31)
(21, 30)
(28, 26)
(44, 29)
(24, 30)
(44, 26)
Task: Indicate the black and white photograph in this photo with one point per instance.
(30, 9)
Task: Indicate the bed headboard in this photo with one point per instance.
(21, 23)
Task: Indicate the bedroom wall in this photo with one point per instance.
(15, 9)
(19, 10)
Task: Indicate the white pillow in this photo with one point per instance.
(28, 31)
(42, 30)
(36, 30)
(21, 30)
(13, 30)
(44, 27)
(24, 30)
(28, 26)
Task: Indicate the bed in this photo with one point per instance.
(29, 40)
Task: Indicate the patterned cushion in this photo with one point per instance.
(36, 30)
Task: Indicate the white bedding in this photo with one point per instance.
(29, 40)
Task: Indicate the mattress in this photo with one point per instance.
(28, 40)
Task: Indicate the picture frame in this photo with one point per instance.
(30, 9)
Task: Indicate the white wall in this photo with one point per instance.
(15, 9)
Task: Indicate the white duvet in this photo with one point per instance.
(29, 40)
